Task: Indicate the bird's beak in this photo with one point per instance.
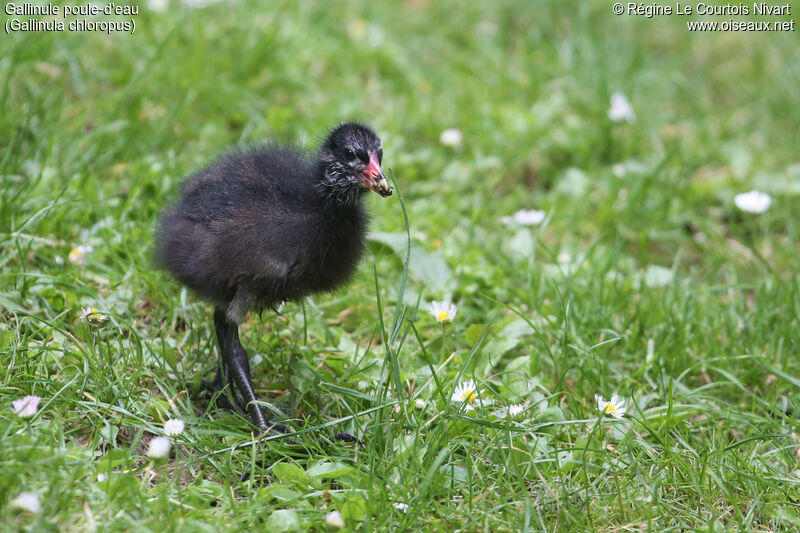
(374, 178)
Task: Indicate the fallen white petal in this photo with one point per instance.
(753, 202)
(26, 406)
(27, 501)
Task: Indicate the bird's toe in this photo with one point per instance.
(219, 397)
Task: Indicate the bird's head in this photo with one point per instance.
(351, 160)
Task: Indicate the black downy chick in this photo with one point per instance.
(269, 224)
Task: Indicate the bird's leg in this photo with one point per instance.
(238, 366)
(224, 397)
(235, 369)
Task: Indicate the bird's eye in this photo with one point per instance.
(350, 154)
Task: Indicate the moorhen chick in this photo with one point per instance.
(268, 224)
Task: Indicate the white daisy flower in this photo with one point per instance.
(174, 427)
(451, 137)
(401, 506)
(444, 311)
(334, 520)
(91, 314)
(77, 256)
(525, 217)
(159, 448)
(26, 501)
(27, 406)
(58, 260)
(621, 109)
(614, 407)
(466, 394)
(101, 477)
(753, 201)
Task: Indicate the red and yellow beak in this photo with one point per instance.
(374, 178)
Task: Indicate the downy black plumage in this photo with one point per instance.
(268, 224)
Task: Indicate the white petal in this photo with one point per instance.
(334, 520)
(451, 137)
(159, 447)
(525, 217)
(621, 109)
(26, 406)
(401, 506)
(174, 427)
(514, 410)
(601, 403)
(27, 501)
(753, 201)
(529, 217)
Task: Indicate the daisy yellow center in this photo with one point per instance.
(610, 409)
(74, 253)
(470, 396)
(441, 316)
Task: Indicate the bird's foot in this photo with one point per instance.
(276, 428)
(219, 395)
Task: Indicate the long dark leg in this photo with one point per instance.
(236, 361)
(236, 369)
(223, 397)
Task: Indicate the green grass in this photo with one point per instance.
(644, 280)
